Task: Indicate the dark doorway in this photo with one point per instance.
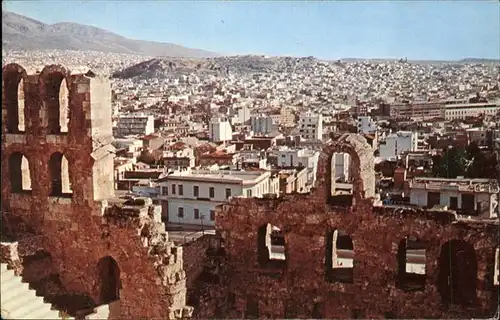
(457, 279)
(109, 277)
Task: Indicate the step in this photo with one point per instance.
(36, 303)
(21, 301)
(13, 289)
(45, 313)
(7, 275)
(12, 284)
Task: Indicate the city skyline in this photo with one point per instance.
(418, 30)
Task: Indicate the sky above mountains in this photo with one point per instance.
(418, 30)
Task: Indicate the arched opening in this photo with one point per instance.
(56, 103)
(13, 86)
(457, 279)
(339, 257)
(19, 173)
(109, 279)
(271, 247)
(411, 265)
(59, 173)
(359, 164)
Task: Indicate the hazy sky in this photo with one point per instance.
(432, 30)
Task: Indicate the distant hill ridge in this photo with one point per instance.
(23, 33)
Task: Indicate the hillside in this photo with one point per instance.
(23, 33)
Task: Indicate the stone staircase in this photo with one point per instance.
(18, 301)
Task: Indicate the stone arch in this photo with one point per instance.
(271, 249)
(19, 173)
(13, 78)
(109, 280)
(457, 277)
(411, 258)
(362, 163)
(59, 175)
(54, 91)
(339, 260)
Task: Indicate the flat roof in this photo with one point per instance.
(236, 176)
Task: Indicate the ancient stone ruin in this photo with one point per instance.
(319, 256)
(79, 246)
(300, 256)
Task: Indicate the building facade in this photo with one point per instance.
(397, 143)
(311, 126)
(189, 197)
(129, 125)
(220, 130)
(470, 197)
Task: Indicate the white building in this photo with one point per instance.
(296, 158)
(342, 166)
(132, 146)
(311, 126)
(395, 144)
(135, 125)
(462, 111)
(366, 125)
(262, 124)
(190, 196)
(220, 130)
(471, 197)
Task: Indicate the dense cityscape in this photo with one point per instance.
(248, 186)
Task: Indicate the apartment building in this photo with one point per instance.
(418, 109)
(397, 143)
(464, 110)
(287, 117)
(190, 196)
(262, 125)
(220, 130)
(366, 125)
(471, 197)
(311, 126)
(134, 125)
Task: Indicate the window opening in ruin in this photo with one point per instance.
(19, 173)
(457, 278)
(496, 273)
(56, 103)
(411, 265)
(59, 172)
(339, 257)
(341, 186)
(252, 308)
(271, 246)
(109, 276)
(14, 100)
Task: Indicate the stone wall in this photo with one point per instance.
(303, 286)
(76, 231)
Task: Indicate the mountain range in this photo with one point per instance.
(23, 33)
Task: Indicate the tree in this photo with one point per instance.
(451, 164)
(482, 164)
